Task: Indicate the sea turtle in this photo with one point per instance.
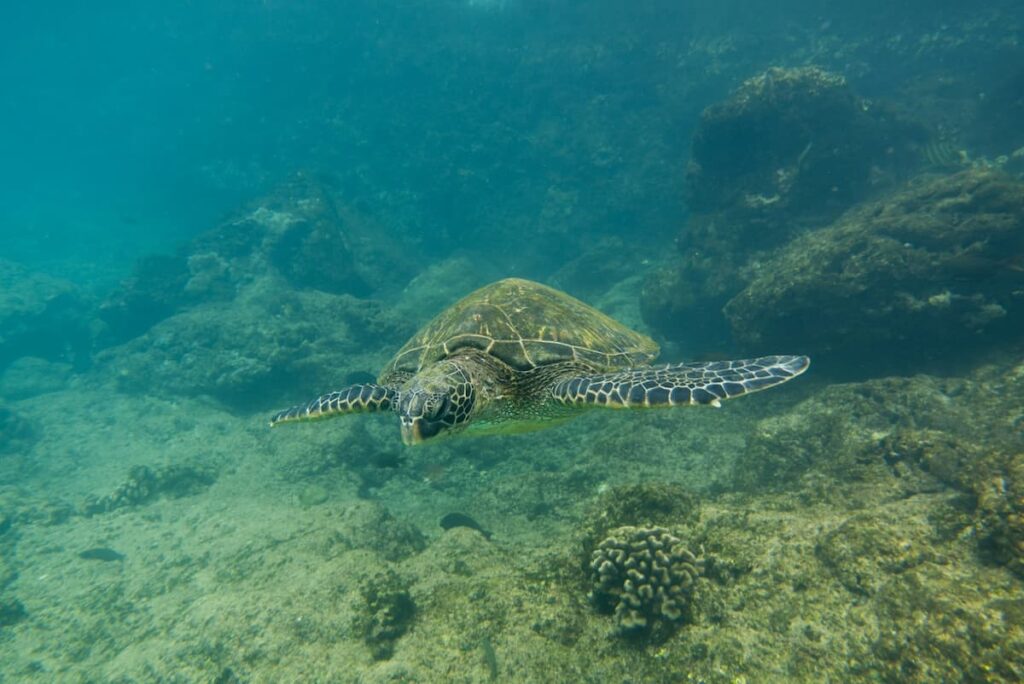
(517, 355)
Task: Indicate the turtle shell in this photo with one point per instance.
(525, 325)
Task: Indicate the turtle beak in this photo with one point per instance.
(417, 430)
(411, 433)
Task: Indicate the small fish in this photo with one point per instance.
(101, 553)
(462, 520)
(943, 154)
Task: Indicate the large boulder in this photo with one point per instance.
(787, 152)
(269, 346)
(791, 143)
(925, 277)
(301, 233)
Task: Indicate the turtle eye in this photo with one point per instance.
(439, 406)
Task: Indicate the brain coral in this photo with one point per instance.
(646, 574)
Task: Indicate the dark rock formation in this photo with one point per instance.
(790, 143)
(926, 276)
(301, 233)
(12, 611)
(388, 611)
(789, 151)
(270, 345)
(43, 316)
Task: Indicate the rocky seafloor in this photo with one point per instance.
(863, 523)
(858, 532)
(853, 531)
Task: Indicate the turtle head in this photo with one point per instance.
(436, 402)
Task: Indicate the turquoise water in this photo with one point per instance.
(211, 212)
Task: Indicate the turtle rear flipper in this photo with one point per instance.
(352, 399)
(681, 384)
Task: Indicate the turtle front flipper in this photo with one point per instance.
(682, 384)
(352, 399)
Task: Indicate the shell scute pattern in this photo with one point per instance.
(512, 321)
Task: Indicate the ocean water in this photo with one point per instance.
(211, 212)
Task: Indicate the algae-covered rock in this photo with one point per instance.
(925, 277)
(388, 611)
(30, 376)
(269, 342)
(933, 627)
(369, 525)
(301, 233)
(313, 495)
(1000, 517)
(682, 299)
(849, 438)
(787, 152)
(17, 434)
(154, 291)
(437, 287)
(646, 505)
(884, 440)
(866, 549)
(43, 316)
(790, 142)
(887, 438)
(145, 484)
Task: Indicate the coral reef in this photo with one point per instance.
(646, 575)
(926, 276)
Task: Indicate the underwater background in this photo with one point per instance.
(212, 211)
